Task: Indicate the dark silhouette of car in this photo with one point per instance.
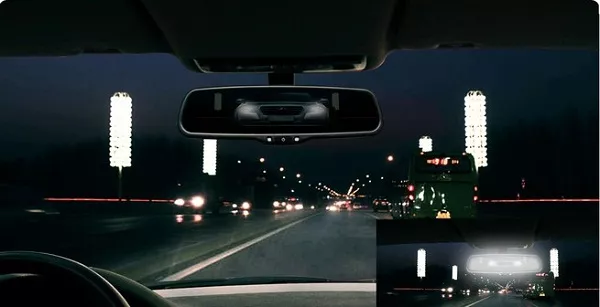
(283, 109)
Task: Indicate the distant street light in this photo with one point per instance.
(421, 262)
(426, 144)
(281, 169)
(298, 175)
(262, 160)
(239, 161)
(209, 157)
(120, 133)
(476, 127)
(554, 261)
(390, 158)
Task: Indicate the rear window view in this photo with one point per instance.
(442, 164)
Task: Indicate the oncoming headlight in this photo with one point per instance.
(245, 205)
(275, 204)
(179, 202)
(197, 201)
(450, 290)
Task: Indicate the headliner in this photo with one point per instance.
(238, 29)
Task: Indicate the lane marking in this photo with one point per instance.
(372, 215)
(212, 260)
(271, 288)
(477, 302)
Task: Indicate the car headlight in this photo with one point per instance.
(245, 205)
(179, 202)
(275, 204)
(450, 290)
(197, 201)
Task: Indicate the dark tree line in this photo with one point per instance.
(161, 168)
(557, 157)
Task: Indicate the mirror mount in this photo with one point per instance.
(278, 78)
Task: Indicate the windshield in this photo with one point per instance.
(191, 209)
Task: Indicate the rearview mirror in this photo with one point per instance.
(504, 264)
(279, 114)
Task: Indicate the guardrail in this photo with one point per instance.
(84, 199)
(541, 200)
(438, 289)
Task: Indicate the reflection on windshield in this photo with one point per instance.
(437, 274)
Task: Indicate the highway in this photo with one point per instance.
(312, 243)
(434, 298)
(161, 246)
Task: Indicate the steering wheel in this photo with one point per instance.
(52, 266)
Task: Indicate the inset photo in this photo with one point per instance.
(488, 262)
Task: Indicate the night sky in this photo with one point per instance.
(58, 100)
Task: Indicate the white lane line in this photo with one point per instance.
(372, 215)
(277, 288)
(212, 260)
(477, 302)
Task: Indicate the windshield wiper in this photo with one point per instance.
(240, 281)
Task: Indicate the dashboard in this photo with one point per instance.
(55, 280)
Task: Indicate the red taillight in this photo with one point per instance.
(411, 188)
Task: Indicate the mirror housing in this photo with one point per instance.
(504, 264)
(279, 114)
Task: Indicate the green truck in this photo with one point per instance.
(541, 286)
(439, 186)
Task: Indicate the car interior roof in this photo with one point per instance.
(237, 29)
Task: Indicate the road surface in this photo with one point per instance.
(433, 299)
(333, 245)
(313, 243)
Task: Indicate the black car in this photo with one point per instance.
(198, 203)
(192, 203)
(381, 205)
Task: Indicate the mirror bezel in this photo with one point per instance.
(261, 136)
